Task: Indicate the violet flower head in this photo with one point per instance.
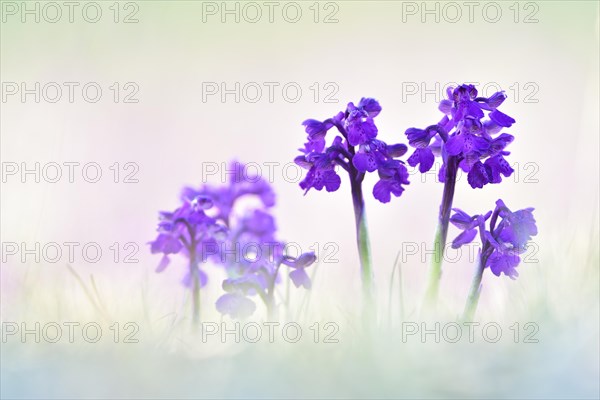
(209, 227)
(240, 183)
(515, 228)
(464, 132)
(235, 304)
(253, 263)
(298, 274)
(188, 231)
(503, 241)
(356, 149)
(250, 253)
(468, 225)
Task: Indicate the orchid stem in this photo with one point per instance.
(364, 248)
(270, 296)
(439, 245)
(195, 294)
(195, 282)
(475, 291)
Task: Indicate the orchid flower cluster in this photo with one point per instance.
(206, 228)
(357, 151)
(256, 274)
(464, 134)
(501, 243)
(468, 137)
(187, 231)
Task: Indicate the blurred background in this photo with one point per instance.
(155, 95)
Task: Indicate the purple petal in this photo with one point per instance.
(479, 143)
(371, 106)
(501, 119)
(473, 143)
(331, 180)
(164, 262)
(166, 244)
(455, 144)
(490, 238)
(461, 219)
(495, 100)
(445, 106)
(319, 178)
(498, 166)
(442, 173)
(303, 261)
(315, 144)
(413, 160)
(423, 157)
(446, 124)
(364, 162)
(384, 188)
(396, 150)
(426, 159)
(469, 160)
(478, 176)
(303, 162)
(381, 191)
(525, 218)
(517, 228)
(491, 128)
(314, 127)
(475, 110)
(500, 143)
(235, 305)
(202, 202)
(464, 238)
(300, 278)
(359, 131)
(503, 263)
(418, 137)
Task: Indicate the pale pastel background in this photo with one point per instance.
(370, 51)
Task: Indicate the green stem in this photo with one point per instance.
(439, 244)
(475, 291)
(195, 280)
(193, 268)
(288, 312)
(269, 298)
(435, 271)
(363, 245)
(195, 293)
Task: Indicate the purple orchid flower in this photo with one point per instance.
(357, 151)
(464, 138)
(257, 275)
(501, 244)
(208, 228)
(188, 230)
(467, 137)
(299, 276)
(236, 305)
(240, 184)
(468, 225)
